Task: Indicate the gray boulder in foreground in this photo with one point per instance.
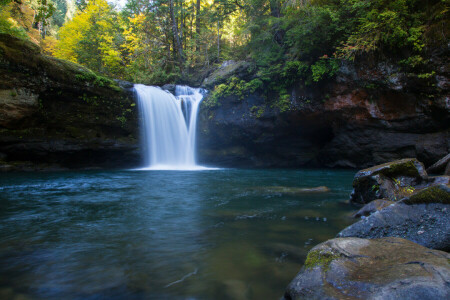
(425, 224)
(386, 268)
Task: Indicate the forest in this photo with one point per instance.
(158, 42)
(224, 149)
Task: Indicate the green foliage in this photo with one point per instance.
(95, 79)
(294, 71)
(93, 39)
(324, 68)
(384, 25)
(284, 101)
(233, 87)
(257, 111)
(288, 42)
(8, 24)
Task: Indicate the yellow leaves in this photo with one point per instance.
(89, 39)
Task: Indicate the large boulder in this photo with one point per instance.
(387, 268)
(393, 181)
(425, 224)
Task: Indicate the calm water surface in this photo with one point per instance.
(217, 234)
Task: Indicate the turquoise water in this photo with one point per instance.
(217, 234)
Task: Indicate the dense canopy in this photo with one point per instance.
(164, 41)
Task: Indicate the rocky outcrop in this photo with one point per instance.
(425, 224)
(383, 256)
(387, 268)
(420, 213)
(392, 180)
(369, 114)
(57, 114)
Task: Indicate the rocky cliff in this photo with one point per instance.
(57, 114)
(368, 114)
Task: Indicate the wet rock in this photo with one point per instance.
(390, 180)
(386, 268)
(124, 84)
(425, 224)
(372, 207)
(169, 87)
(440, 166)
(432, 194)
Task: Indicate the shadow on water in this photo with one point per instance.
(214, 234)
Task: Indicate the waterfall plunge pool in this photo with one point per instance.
(213, 234)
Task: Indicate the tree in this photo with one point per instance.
(93, 38)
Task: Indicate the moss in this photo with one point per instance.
(319, 258)
(284, 101)
(402, 168)
(433, 194)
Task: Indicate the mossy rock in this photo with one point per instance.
(227, 70)
(23, 53)
(386, 268)
(432, 194)
(408, 167)
(393, 180)
(318, 258)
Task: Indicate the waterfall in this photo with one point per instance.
(168, 126)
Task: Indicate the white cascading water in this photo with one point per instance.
(168, 126)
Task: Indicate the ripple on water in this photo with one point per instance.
(162, 234)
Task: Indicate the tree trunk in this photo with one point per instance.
(177, 42)
(218, 40)
(275, 12)
(197, 25)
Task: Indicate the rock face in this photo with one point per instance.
(58, 114)
(425, 224)
(361, 118)
(387, 268)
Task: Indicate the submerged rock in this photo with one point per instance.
(387, 268)
(425, 224)
(372, 207)
(393, 181)
(287, 190)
